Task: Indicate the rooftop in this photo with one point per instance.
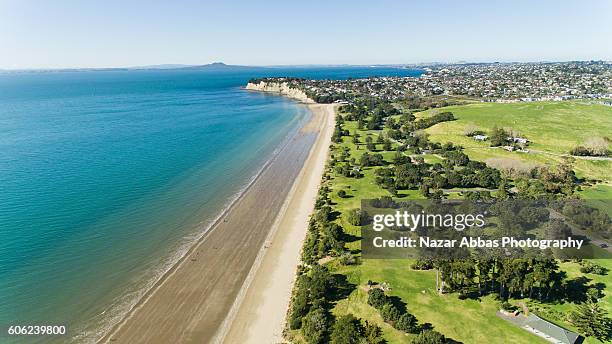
(550, 331)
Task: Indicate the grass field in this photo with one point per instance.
(599, 196)
(553, 128)
(468, 321)
(462, 320)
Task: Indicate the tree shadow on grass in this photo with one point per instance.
(575, 289)
(346, 237)
(398, 303)
(342, 288)
(334, 215)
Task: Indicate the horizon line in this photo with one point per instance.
(212, 64)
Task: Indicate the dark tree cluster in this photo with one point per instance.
(547, 184)
(499, 137)
(588, 218)
(425, 123)
(367, 160)
(456, 171)
(416, 102)
(324, 237)
(398, 317)
(370, 113)
(310, 304)
(535, 278)
(349, 330)
(338, 133)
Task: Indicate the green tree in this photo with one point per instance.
(347, 330)
(499, 137)
(314, 326)
(407, 323)
(376, 298)
(357, 217)
(372, 333)
(387, 145)
(299, 305)
(389, 313)
(321, 282)
(591, 320)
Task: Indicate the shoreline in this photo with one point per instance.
(259, 316)
(106, 334)
(177, 288)
(185, 250)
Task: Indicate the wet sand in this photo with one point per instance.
(191, 303)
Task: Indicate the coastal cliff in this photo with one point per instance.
(281, 88)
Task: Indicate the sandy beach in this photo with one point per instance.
(205, 297)
(260, 317)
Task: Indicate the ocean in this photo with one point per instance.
(107, 177)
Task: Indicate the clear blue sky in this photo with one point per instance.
(110, 33)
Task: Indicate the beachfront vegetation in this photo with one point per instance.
(393, 153)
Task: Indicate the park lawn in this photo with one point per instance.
(357, 304)
(573, 270)
(599, 196)
(553, 129)
(363, 188)
(467, 321)
(449, 315)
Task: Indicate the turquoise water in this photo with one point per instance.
(106, 177)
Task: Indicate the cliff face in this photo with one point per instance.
(281, 88)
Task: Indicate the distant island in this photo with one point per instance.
(215, 66)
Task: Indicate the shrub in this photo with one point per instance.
(389, 313)
(506, 306)
(590, 267)
(580, 151)
(407, 323)
(593, 293)
(341, 193)
(357, 217)
(422, 264)
(346, 258)
(323, 215)
(376, 298)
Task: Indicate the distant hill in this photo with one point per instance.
(220, 66)
(163, 66)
